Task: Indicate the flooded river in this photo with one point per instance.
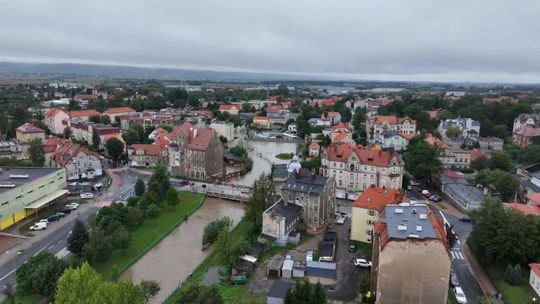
(263, 155)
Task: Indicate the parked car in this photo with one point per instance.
(39, 226)
(409, 187)
(412, 182)
(53, 218)
(60, 214)
(453, 279)
(352, 248)
(460, 296)
(309, 256)
(362, 263)
(465, 219)
(340, 220)
(72, 206)
(65, 210)
(44, 221)
(435, 198)
(87, 195)
(426, 193)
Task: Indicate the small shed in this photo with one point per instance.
(273, 269)
(287, 268)
(294, 237)
(278, 292)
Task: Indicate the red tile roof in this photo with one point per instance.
(393, 120)
(54, 111)
(119, 110)
(65, 153)
(338, 138)
(527, 209)
(199, 138)
(434, 141)
(341, 126)
(84, 113)
(376, 198)
(534, 198)
(341, 152)
(257, 117)
(149, 149)
(228, 107)
(535, 267)
(314, 145)
(333, 114)
(274, 108)
(29, 128)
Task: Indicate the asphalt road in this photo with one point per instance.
(56, 242)
(460, 265)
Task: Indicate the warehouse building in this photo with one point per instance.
(25, 190)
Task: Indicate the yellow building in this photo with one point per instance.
(261, 121)
(25, 190)
(367, 208)
(28, 132)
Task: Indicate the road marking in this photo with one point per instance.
(457, 255)
(459, 243)
(7, 275)
(39, 251)
(50, 247)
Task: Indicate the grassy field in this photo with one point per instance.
(284, 156)
(231, 294)
(518, 294)
(148, 234)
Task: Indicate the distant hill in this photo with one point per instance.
(94, 70)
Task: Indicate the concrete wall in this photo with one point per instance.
(413, 272)
(359, 224)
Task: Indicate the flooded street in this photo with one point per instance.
(177, 255)
(263, 155)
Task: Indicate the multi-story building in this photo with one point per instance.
(526, 126)
(223, 128)
(13, 149)
(145, 119)
(79, 162)
(377, 125)
(395, 141)
(232, 109)
(261, 122)
(311, 198)
(469, 128)
(83, 115)
(411, 263)
(356, 167)
(195, 153)
(57, 120)
(367, 208)
(451, 156)
(148, 155)
(29, 132)
(24, 191)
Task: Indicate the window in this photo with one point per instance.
(30, 191)
(371, 212)
(369, 222)
(369, 231)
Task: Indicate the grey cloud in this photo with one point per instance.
(482, 40)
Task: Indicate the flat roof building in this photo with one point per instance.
(24, 190)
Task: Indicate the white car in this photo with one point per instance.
(72, 206)
(87, 195)
(362, 263)
(46, 221)
(39, 226)
(460, 296)
(412, 182)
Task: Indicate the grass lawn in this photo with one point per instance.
(230, 293)
(514, 294)
(284, 156)
(148, 234)
(25, 299)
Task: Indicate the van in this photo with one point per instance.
(39, 226)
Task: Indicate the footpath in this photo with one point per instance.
(481, 276)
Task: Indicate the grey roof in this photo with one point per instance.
(388, 134)
(289, 211)
(33, 174)
(473, 194)
(526, 183)
(326, 248)
(306, 182)
(404, 221)
(279, 289)
(321, 273)
(280, 171)
(524, 117)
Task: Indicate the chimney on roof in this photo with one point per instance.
(312, 175)
(368, 199)
(385, 190)
(414, 211)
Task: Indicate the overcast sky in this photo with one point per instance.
(460, 40)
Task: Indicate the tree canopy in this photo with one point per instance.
(422, 159)
(115, 148)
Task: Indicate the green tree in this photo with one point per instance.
(196, 294)
(140, 187)
(150, 289)
(121, 238)
(364, 284)
(502, 181)
(500, 160)
(40, 274)
(96, 141)
(480, 163)
(10, 292)
(453, 131)
(304, 292)
(264, 194)
(224, 249)
(422, 159)
(152, 212)
(94, 118)
(36, 153)
(78, 238)
(172, 198)
(115, 148)
(99, 247)
(214, 228)
(283, 90)
(159, 182)
(105, 119)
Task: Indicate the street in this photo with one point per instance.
(55, 237)
(460, 265)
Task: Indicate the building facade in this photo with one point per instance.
(222, 128)
(56, 120)
(79, 162)
(195, 153)
(469, 128)
(377, 125)
(148, 155)
(25, 190)
(526, 127)
(29, 132)
(355, 168)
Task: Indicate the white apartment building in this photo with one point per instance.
(378, 125)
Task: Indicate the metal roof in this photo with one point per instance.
(409, 221)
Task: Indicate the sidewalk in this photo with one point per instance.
(481, 276)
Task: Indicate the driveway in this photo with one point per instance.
(176, 256)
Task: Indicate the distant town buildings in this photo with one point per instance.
(379, 125)
(356, 167)
(411, 262)
(469, 128)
